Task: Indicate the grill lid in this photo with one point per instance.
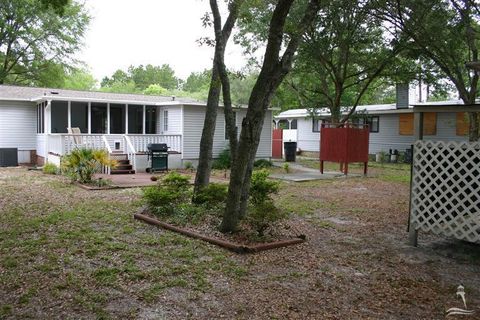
(157, 147)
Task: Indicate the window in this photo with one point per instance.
(59, 116)
(165, 120)
(316, 125)
(41, 117)
(462, 124)
(117, 118)
(236, 128)
(293, 124)
(99, 117)
(373, 123)
(151, 120)
(79, 112)
(135, 119)
(406, 123)
(283, 124)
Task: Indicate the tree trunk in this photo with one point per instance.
(474, 127)
(202, 178)
(274, 70)
(204, 168)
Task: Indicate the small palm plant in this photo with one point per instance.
(82, 163)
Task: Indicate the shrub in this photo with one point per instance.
(81, 164)
(176, 181)
(223, 161)
(50, 168)
(286, 167)
(212, 195)
(263, 215)
(263, 163)
(263, 212)
(166, 197)
(261, 188)
(189, 166)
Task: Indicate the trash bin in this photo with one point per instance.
(408, 155)
(290, 151)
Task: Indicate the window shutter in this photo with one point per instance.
(430, 123)
(462, 124)
(405, 124)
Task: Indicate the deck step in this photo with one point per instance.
(119, 171)
(121, 162)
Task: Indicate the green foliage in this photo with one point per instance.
(223, 161)
(197, 81)
(263, 215)
(261, 188)
(37, 37)
(50, 168)
(81, 164)
(263, 212)
(141, 78)
(263, 163)
(166, 197)
(188, 165)
(212, 195)
(155, 89)
(79, 79)
(286, 167)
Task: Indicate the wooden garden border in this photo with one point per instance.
(232, 246)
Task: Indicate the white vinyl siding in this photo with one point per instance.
(194, 117)
(174, 124)
(18, 125)
(307, 140)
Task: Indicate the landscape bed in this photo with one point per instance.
(222, 241)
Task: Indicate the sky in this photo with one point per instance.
(126, 32)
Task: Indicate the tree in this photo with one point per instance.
(445, 32)
(197, 81)
(219, 79)
(79, 79)
(343, 53)
(274, 69)
(34, 34)
(163, 75)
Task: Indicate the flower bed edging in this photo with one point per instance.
(235, 247)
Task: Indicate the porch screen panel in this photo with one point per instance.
(117, 118)
(59, 116)
(135, 119)
(151, 120)
(80, 116)
(99, 117)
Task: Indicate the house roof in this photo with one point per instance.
(34, 94)
(369, 109)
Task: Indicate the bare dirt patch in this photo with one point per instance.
(70, 253)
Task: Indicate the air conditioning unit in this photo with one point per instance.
(8, 157)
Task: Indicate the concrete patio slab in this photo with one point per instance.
(311, 176)
(128, 180)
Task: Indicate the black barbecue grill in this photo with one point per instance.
(158, 157)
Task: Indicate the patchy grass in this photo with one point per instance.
(70, 253)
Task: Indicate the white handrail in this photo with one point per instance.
(106, 169)
(130, 151)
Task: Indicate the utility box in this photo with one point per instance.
(8, 157)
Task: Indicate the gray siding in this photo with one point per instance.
(193, 118)
(18, 125)
(388, 136)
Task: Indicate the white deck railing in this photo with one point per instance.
(60, 144)
(140, 142)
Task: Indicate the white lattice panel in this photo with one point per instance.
(445, 189)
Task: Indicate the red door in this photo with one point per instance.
(277, 143)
